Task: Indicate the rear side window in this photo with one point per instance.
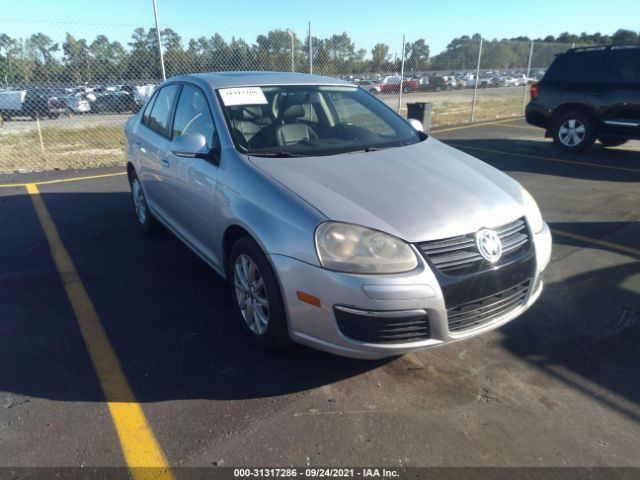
(147, 109)
(625, 66)
(579, 67)
(161, 109)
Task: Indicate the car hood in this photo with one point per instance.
(419, 192)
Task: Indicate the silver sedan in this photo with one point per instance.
(337, 223)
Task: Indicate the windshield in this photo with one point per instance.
(310, 120)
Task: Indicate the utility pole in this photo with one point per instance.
(401, 77)
(475, 87)
(310, 50)
(293, 66)
(155, 13)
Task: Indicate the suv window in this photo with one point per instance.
(625, 66)
(161, 109)
(193, 114)
(578, 67)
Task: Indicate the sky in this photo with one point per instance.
(367, 22)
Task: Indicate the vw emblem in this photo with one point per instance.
(489, 245)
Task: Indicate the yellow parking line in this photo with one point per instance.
(139, 446)
(595, 241)
(551, 159)
(63, 180)
(475, 125)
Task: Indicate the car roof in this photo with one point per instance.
(251, 79)
(600, 48)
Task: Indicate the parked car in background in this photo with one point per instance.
(456, 82)
(33, 102)
(437, 83)
(369, 86)
(488, 82)
(78, 103)
(391, 84)
(142, 93)
(589, 93)
(336, 222)
(506, 81)
(117, 102)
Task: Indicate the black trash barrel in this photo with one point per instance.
(421, 111)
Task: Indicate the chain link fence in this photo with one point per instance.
(64, 101)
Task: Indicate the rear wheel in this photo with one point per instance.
(612, 141)
(573, 132)
(258, 302)
(145, 219)
(406, 89)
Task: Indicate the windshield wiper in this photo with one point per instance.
(279, 154)
(369, 149)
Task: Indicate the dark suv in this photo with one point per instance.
(587, 94)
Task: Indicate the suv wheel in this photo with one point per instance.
(612, 141)
(257, 298)
(574, 132)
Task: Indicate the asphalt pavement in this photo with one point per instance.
(560, 386)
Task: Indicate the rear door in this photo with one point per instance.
(623, 85)
(153, 142)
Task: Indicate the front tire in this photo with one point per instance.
(573, 132)
(257, 299)
(140, 206)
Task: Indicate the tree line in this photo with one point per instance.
(38, 59)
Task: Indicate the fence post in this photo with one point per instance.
(475, 86)
(155, 13)
(526, 85)
(310, 50)
(401, 77)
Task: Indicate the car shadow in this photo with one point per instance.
(584, 331)
(167, 315)
(542, 157)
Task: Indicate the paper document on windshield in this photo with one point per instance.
(242, 96)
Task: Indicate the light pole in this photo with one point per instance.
(155, 13)
(293, 67)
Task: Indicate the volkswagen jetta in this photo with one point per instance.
(337, 223)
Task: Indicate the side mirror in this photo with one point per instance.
(416, 124)
(194, 145)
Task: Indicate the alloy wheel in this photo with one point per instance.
(572, 132)
(139, 203)
(251, 294)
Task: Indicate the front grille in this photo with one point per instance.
(382, 329)
(458, 255)
(481, 311)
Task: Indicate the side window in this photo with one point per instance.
(147, 109)
(579, 67)
(193, 115)
(161, 109)
(625, 66)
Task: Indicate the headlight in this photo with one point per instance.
(532, 212)
(355, 249)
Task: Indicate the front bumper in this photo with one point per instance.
(416, 290)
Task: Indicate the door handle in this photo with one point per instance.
(138, 146)
(165, 163)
